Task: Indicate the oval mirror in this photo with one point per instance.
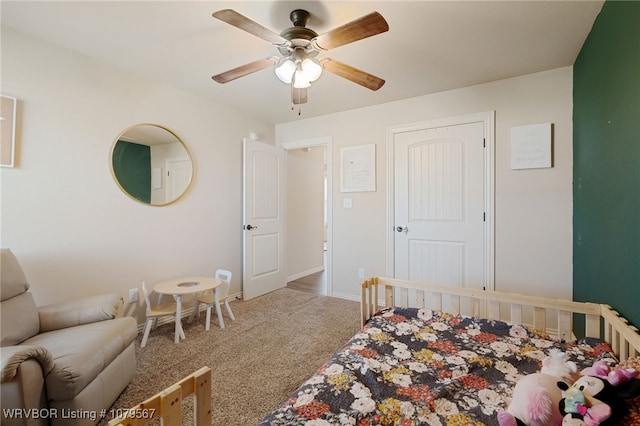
(151, 164)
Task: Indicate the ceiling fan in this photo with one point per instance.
(299, 46)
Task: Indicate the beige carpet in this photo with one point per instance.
(276, 342)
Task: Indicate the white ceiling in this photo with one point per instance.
(431, 46)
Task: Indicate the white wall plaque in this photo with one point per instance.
(358, 168)
(156, 178)
(7, 130)
(531, 146)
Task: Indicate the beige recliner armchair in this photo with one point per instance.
(64, 363)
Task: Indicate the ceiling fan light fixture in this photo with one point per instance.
(285, 71)
(300, 81)
(311, 69)
(306, 72)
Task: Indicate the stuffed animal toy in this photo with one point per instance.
(614, 376)
(536, 397)
(581, 409)
(604, 393)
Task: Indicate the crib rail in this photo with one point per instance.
(623, 337)
(167, 404)
(553, 316)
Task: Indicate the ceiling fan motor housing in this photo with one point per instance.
(299, 35)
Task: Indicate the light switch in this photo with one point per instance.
(346, 203)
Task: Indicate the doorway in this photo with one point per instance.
(308, 219)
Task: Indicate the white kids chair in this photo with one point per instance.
(155, 312)
(208, 299)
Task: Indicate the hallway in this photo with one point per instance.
(314, 283)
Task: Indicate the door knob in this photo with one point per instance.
(249, 227)
(402, 229)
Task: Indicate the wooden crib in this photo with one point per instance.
(554, 316)
(167, 404)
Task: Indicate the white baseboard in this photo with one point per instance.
(346, 296)
(186, 313)
(305, 273)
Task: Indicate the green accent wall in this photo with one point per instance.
(132, 167)
(606, 156)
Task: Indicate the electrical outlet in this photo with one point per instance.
(133, 295)
(360, 272)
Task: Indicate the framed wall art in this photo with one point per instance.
(7, 130)
(532, 147)
(358, 168)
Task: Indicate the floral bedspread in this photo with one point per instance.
(418, 366)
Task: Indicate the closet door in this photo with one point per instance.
(440, 205)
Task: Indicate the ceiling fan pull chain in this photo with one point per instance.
(293, 95)
(293, 103)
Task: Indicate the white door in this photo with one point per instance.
(263, 220)
(179, 173)
(440, 205)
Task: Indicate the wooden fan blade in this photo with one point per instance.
(232, 17)
(363, 27)
(298, 96)
(246, 69)
(362, 78)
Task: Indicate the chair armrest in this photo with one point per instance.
(13, 356)
(81, 311)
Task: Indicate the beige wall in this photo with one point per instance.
(305, 211)
(77, 234)
(73, 230)
(533, 208)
